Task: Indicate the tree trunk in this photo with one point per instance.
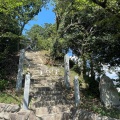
(84, 66)
(92, 69)
(18, 45)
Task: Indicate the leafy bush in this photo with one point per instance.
(3, 84)
(77, 69)
(10, 98)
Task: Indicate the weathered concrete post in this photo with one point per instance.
(20, 70)
(67, 72)
(26, 91)
(77, 92)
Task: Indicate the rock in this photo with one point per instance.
(2, 115)
(85, 115)
(5, 107)
(9, 108)
(15, 108)
(108, 93)
(13, 116)
(32, 116)
(2, 105)
(23, 115)
(6, 116)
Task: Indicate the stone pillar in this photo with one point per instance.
(67, 72)
(77, 92)
(20, 70)
(26, 91)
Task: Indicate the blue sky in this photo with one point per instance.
(45, 16)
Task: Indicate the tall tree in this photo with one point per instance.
(42, 37)
(15, 15)
(92, 33)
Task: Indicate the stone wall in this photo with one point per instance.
(14, 112)
(85, 115)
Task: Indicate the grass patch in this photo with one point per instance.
(92, 103)
(107, 112)
(9, 98)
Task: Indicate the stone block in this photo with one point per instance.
(32, 116)
(59, 116)
(48, 117)
(108, 93)
(42, 110)
(6, 116)
(2, 115)
(13, 116)
(15, 108)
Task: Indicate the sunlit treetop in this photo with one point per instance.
(81, 4)
(112, 6)
(7, 6)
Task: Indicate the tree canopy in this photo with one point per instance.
(91, 29)
(42, 37)
(14, 16)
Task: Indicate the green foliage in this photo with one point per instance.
(91, 103)
(8, 6)
(3, 84)
(10, 98)
(113, 113)
(60, 48)
(90, 32)
(14, 15)
(77, 69)
(110, 6)
(42, 37)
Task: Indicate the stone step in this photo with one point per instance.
(56, 116)
(42, 81)
(49, 92)
(52, 109)
(34, 70)
(51, 103)
(43, 84)
(48, 97)
(47, 70)
(41, 77)
(39, 88)
(36, 66)
(43, 74)
(38, 76)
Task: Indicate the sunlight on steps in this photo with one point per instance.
(47, 97)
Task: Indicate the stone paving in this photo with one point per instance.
(48, 100)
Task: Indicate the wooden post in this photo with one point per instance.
(67, 72)
(26, 91)
(77, 92)
(20, 70)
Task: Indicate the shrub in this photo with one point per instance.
(3, 84)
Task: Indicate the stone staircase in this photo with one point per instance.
(47, 95)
